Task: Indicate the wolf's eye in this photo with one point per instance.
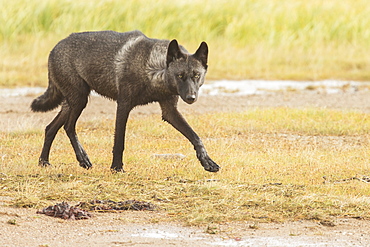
(197, 75)
(180, 76)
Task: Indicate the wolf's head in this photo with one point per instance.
(186, 71)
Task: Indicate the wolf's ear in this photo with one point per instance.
(173, 52)
(202, 54)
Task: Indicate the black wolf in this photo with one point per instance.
(129, 68)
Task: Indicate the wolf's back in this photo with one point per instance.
(89, 56)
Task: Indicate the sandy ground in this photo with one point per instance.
(23, 227)
(134, 229)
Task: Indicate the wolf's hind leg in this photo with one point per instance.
(77, 103)
(50, 132)
(76, 93)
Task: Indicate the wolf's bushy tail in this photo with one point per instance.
(50, 100)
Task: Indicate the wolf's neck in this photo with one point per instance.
(156, 74)
(156, 65)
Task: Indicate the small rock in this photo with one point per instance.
(169, 156)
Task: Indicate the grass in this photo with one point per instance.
(273, 162)
(267, 39)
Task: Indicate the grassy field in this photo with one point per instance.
(273, 160)
(266, 39)
(273, 163)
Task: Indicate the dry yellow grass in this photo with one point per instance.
(273, 163)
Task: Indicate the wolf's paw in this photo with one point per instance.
(117, 168)
(86, 164)
(209, 165)
(44, 163)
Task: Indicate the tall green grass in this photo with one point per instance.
(287, 39)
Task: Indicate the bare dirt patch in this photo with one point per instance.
(15, 111)
(23, 227)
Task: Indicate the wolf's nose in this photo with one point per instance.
(191, 97)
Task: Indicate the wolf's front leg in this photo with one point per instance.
(173, 116)
(122, 114)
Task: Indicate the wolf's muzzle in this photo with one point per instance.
(191, 98)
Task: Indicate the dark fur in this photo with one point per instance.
(129, 68)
